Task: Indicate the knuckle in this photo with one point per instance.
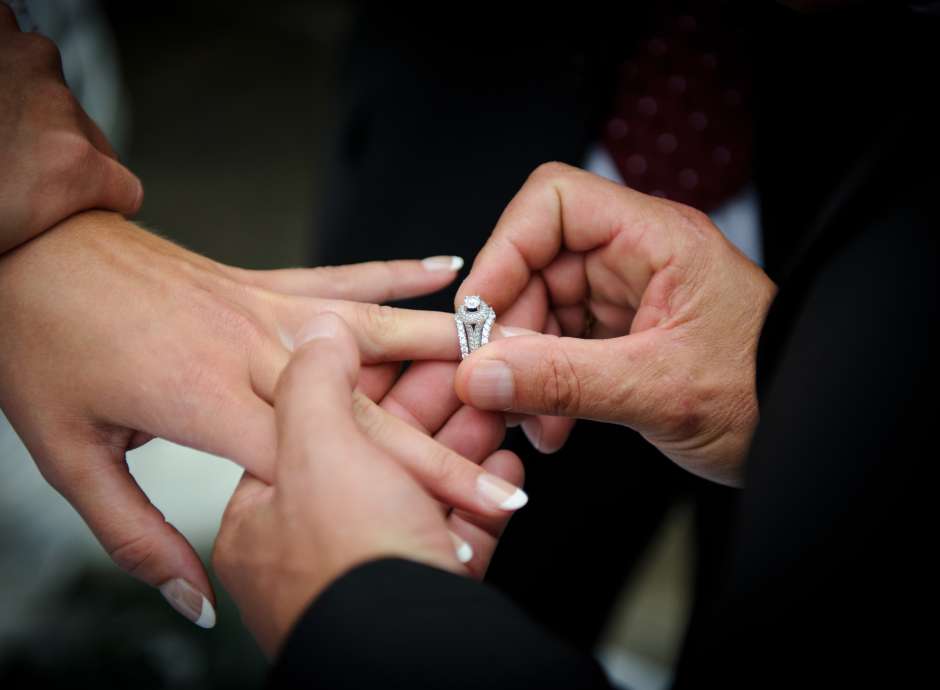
(370, 417)
(41, 48)
(558, 383)
(378, 323)
(550, 171)
(134, 554)
(65, 153)
(445, 468)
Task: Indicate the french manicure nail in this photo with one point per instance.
(512, 331)
(501, 492)
(463, 550)
(188, 602)
(321, 326)
(532, 428)
(490, 385)
(443, 263)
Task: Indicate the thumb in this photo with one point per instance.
(113, 187)
(132, 531)
(313, 400)
(570, 377)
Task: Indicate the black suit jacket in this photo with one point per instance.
(831, 549)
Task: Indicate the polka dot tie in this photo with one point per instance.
(681, 126)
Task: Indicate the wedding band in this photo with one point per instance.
(475, 320)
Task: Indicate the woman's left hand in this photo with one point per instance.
(341, 497)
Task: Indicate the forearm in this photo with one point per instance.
(395, 623)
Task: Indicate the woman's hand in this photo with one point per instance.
(339, 499)
(54, 161)
(673, 309)
(112, 335)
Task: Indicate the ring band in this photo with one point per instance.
(475, 320)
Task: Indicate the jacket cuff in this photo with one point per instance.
(397, 623)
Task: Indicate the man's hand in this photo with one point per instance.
(112, 335)
(54, 161)
(674, 309)
(339, 499)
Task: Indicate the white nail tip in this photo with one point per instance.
(518, 499)
(189, 602)
(464, 553)
(206, 616)
(462, 549)
(443, 263)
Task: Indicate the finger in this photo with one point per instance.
(571, 377)
(133, 532)
(448, 477)
(7, 19)
(248, 492)
(424, 396)
(566, 280)
(563, 207)
(110, 186)
(481, 533)
(383, 334)
(546, 433)
(376, 380)
(95, 135)
(239, 426)
(530, 309)
(373, 281)
(472, 434)
(268, 357)
(572, 321)
(313, 400)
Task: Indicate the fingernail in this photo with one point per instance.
(512, 331)
(463, 550)
(188, 602)
(532, 429)
(443, 263)
(501, 492)
(514, 420)
(490, 385)
(321, 326)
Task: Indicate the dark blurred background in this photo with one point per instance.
(223, 110)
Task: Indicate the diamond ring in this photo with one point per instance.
(475, 320)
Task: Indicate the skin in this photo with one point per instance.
(337, 498)
(54, 161)
(676, 310)
(113, 336)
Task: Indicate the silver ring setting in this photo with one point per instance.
(475, 320)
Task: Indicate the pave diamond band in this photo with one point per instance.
(475, 320)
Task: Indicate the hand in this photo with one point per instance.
(54, 161)
(338, 499)
(112, 336)
(677, 314)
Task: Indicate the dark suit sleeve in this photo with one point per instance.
(394, 623)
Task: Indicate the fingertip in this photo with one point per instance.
(325, 341)
(547, 434)
(506, 465)
(138, 198)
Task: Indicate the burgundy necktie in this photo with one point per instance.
(681, 124)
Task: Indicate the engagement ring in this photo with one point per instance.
(474, 322)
